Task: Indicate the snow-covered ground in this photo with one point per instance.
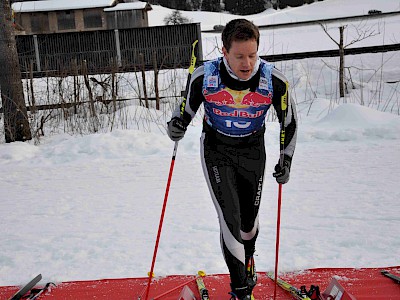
(88, 207)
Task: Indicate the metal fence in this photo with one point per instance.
(104, 50)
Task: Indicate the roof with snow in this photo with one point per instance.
(129, 6)
(52, 5)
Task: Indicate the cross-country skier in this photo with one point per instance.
(237, 90)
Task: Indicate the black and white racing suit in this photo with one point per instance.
(232, 148)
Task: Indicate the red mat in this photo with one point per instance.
(365, 283)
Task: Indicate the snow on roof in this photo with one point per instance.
(128, 6)
(52, 5)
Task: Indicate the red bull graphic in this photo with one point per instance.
(221, 98)
(238, 113)
(255, 99)
(238, 99)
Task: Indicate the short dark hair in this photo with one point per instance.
(239, 30)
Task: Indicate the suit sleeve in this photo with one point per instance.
(281, 87)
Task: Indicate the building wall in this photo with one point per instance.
(53, 22)
(126, 19)
(85, 20)
(25, 21)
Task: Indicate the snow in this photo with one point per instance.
(50, 5)
(88, 207)
(128, 6)
(306, 38)
(315, 11)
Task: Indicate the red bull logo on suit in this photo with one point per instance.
(255, 99)
(238, 113)
(239, 99)
(220, 98)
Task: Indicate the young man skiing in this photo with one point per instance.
(237, 90)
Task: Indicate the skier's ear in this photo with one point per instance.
(224, 51)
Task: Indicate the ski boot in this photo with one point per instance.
(314, 292)
(240, 293)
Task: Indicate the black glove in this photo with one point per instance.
(176, 129)
(282, 173)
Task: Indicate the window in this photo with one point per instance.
(66, 20)
(39, 22)
(92, 18)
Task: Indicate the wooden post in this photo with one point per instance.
(33, 100)
(341, 63)
(76, 84)
(89, 88)
(114, 69)
(118, 48)
(146, 99)
(35, 42)
(156, 80)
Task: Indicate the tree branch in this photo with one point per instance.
(325, 29)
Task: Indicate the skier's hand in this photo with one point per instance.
(282, 173)
(176, 129)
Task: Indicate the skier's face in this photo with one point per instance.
(242, 57)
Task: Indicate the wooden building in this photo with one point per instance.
(58, 16)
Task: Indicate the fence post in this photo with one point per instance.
(199, 44)
(156, 80)
(143, 68)
(75, 74)
(118, 46)
(33, 101)
(35, 42)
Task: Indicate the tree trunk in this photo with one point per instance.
(341, 64)
(16, 123)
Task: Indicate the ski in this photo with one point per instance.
(35, 293)
(18, 295)
(391, 276)
(201, 286)
(295, 292)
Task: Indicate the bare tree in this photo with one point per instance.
(362, 33)
(16, 123)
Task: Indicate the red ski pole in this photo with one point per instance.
(284, 102)
(171, 168)
(278, 226)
